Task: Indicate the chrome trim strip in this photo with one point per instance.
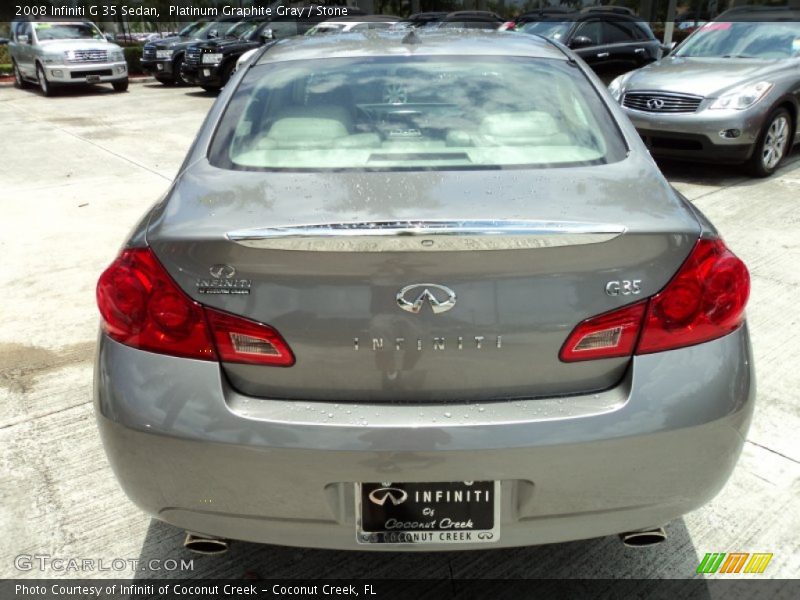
(427, 235)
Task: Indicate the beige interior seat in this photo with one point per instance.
(524, 128)
(301, 128)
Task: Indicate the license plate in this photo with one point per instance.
(92, 78)
(458, 512)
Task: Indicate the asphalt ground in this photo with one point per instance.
(78, 170)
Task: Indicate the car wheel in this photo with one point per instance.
(176, 71)
(44, 85)
(772, 145)
(19, 80)
(120, 86)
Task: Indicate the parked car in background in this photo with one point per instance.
(209, 55)
(54, 54)
(357, 23)
(320, 338)
(423, 19)
(729, 93)
(471, 19)
(463, 19)
(610, 42)
(210, 64)
(164, 58)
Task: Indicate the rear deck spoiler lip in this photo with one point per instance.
(426, 235)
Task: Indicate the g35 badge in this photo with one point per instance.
(624, 287)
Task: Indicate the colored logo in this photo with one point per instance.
(734, 562)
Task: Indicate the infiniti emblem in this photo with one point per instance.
(655, 104)
(221, 271)
(412, 297)
(381, 495)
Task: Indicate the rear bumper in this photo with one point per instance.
(195, 453)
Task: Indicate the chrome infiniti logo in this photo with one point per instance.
(655, 104)
(412, 297)
(394, 495)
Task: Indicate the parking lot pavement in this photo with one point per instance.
(80, 168)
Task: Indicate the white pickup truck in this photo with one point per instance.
(52, 54)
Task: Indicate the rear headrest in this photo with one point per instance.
(303, 123)
(293, 129)
(520, 124)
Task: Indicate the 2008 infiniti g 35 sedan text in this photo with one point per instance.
(411, 292)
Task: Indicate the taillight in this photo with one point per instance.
(705, 300)
(243, 341)
(144, 308)
(609, 335)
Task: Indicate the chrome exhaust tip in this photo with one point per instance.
(205, 545)
(640, 539)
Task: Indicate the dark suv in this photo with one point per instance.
(210, 64)
(610, 41)
(163, 58)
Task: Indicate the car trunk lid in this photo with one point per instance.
(422, 286)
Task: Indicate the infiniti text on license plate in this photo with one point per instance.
(458, 512)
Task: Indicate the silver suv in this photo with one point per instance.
(53, 54)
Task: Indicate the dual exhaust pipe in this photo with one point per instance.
(212, 546)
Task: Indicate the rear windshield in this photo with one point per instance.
(433, 112)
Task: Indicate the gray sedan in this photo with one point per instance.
(730, 93)
(421, 292)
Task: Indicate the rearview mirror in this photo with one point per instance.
(668, 48)
(213, 34)
(581, 41)
(23, 39)
(109, 37)
(267, 35)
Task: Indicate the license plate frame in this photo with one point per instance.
(93, 79)
(455, 519)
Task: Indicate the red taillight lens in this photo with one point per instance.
(609, 335)
(704, 301)
(244, 341)
(144, 308)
